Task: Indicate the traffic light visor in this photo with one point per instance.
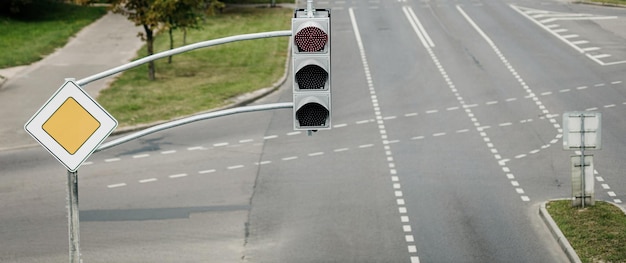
(310, 36)
(312, 111)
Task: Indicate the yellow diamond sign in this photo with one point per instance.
(71, 125)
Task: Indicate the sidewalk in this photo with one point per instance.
(109, 42)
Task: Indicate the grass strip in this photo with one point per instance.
(40, 28)
(203, 79)
(597, 233)
(608, 2)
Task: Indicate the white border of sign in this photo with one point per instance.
(35, 125)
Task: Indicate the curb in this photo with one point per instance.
(557, 234)
(587, 2)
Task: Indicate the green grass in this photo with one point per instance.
(256, 1)
(613, 2)
(203, 79)
(597, 233)
(39, 30)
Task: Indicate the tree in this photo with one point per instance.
(179, 14)
(184, 14)
(159, 14)
(142, 13)
(13, 6)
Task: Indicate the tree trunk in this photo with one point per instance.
(169, 59)
(150, 47)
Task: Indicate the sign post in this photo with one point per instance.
(72, 216)
(71, 125)
(582, 131)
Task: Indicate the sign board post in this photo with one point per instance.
(72, 216)
(71, 125)
(582, 186)
(581, 131)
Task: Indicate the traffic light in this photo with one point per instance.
(311, 69)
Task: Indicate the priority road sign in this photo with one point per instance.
(71, 125)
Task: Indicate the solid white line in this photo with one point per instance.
(147, 180)
(177, 176)
(540, 24)
(417, 27)
(587, 49)
(195, 148)
(600, 56)
(580, 42)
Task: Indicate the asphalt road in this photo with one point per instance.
(446, 138)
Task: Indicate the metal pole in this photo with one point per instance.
(72, 216)
(309, 8)
(199, 117)
(582, 158)
(87, 80)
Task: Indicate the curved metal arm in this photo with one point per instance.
(164, 54)
(205, 116)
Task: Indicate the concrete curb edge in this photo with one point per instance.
(557, 234)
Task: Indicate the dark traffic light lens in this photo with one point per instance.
(311, 39)
(312, 114)
(311, 77)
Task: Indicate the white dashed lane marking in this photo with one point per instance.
(380, 120)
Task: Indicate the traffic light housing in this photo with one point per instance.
(311, 69)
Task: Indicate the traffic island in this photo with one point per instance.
(593, 234)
